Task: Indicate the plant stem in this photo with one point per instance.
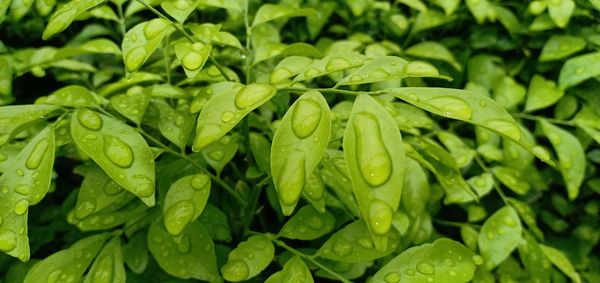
(167, 65)
(538, 118)
(328, 90)
(282, 244)
(494, 184)
(216, 179)
(121, 20)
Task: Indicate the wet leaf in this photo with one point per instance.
(561, 261)
(108, 266)
(141, 41)
(307, 224)
(248, 259)
(294, 271)
(561, 46)
(185, 201)
(578, 69)
(270, 12)
(65, 15)
(499, 236)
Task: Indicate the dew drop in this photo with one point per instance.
(392, 277)
(425, 268)
(292, 179)
(192, 61)
(477, 259)
(507, 128)
(199, 181)
(380, 216)
(227, 116)
(104, 272)
(37, 154)
(356, 78)
(409, 272)
(509, 221)
(178, 215)
(280, 74)
(374, 160)
(85, 209)
(145, 186)
(89, 119)
(235, 270)
(111, 188)
(420, 69)
(314, 222)
(311, 73)
(135, 58)
(8, 240)
(336, 64)
(342, 248)
(541, 152)
(185, 245)
(452, 107)
(206, 134)
(252, 95)
(305, 118)
(155, 27)
(365, 242)
(117, 151)
(23, 189)
(216, 155)
(21, 207)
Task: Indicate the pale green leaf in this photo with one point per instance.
(499, 236)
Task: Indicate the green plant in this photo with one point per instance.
(299, 141)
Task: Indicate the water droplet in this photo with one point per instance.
(55, 276)
(507, 128)
(85, 209)
(199, 181)
(60, 21)
(252, 95)
(413, 96)
(192, 61)
(342, 248)
(420, 69)
(380, 216)
(3, 157)
(157, 239)
(409, 272)
(206, 134)
(8, 240)
(227, 116)
(155, 27)
(89, 119)
(337, 64)
(280, 74)
(135, 58)
(197, 46)
(145, 186)
(305, 118)
(37, 154)
(4, 138)
(178, 215)
(392, 277)
(111, 188)
(311, 73)
(314, 222)
(182, 4)
(235, 270)
(292, 179)
(216, 154)
(483, 102)
(356, 78)
(509, 221)
(477, 259)
(21, 207)
(452, 107)
(117, 151)
(365, 242)
(104, 271)
(425, 268)
(374, 160)
(23, 189)
(541, 152)
(184, 245)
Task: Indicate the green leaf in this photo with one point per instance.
(268, 50)
(185, 201)
(72, 96)
(294, 271)
(218, 154)
(527, 215)
(579, 69)
(353, 244)
(390, 68)
(335, 175)
(66, 14)
(270, 12)
(261, 151)
(481, 10)
(415, 4)
(68, 264)
(108, 266)
(248, 259)
(499, 236)
(415, 189)
(223, 111)
(179, 9)
(24, 184)
(289, 67)
(118, 149)
(561, 11)
(534, 260)
(307, 224)
(373, 152)
(134, 79)
(561, 46)
(435, 51)
(193, 247)
(512, 179)
(458, 149)
(561, 261)
(174, 124)
(135, 253)
(193, 56)
(482, 184)
(331, 64)
(131, 104)
(99, 193)
(314, 191)
(470, 107)
(571, 156)
(109, 218)
(443, 261)
(16, 117)
(298, 145)
(430, 19)
(141, 41)
(542, 93)
(449, 6)
(215, 222)
(509, 93)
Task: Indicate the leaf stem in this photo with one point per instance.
(282, 244)
(328, 90)
(538, 118)
(216, 179)
(121, 19)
